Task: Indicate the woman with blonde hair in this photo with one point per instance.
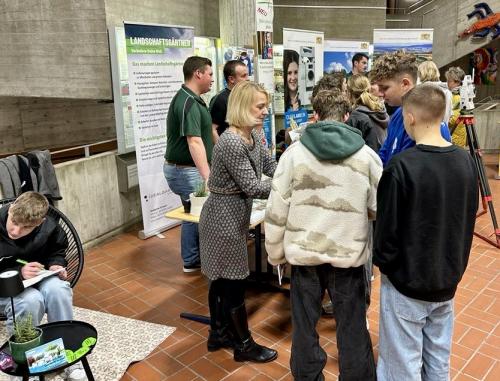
(368, 115)
(238, 162)
(428, 72)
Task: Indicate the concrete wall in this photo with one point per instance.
(448, 18)
(348, 24)
(54, 65)
(202, 14)
(91, 199)
(31, 123)
(54, 48)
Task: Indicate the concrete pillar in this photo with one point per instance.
(237, 22)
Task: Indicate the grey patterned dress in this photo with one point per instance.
(235, 179)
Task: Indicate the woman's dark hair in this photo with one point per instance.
(289, 56)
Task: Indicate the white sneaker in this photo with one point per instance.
(367, 324)
(75, 373)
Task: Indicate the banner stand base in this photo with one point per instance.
(143, 235)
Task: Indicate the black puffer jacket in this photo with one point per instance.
(372, 124)
(46, 244)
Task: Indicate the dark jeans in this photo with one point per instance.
(223, 296)
(346, 288)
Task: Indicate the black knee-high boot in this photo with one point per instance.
(219, 335)
(245, 348)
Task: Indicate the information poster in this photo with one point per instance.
(337, 55)
(279, 88)
(302, 68)
(414, 41)
(123, 109)
(155, 55)
(206, 47)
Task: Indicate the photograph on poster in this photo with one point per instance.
(300, 77)
(265, 45)
(413, 41)
(242, 54)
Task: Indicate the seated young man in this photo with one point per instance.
(28, 234)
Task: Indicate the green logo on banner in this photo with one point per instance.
(149, 45)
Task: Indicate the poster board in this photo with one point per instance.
(414, 41)
(302, 68)
(155, 56)
(337, 54)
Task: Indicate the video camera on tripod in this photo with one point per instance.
(467, 94)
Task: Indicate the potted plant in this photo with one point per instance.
(198, 198)
(25, 337)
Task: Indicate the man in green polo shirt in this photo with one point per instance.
(189, 147)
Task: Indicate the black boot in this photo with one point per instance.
(219, 335)
(219, 338)
(245, 349)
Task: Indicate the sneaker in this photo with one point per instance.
(367, 324)
(191, 268)
(75, 373)
(328, 308)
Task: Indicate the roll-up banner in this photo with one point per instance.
(414, 41)
(302, 68)
(155, 55)
(337, 56)
(265, 70)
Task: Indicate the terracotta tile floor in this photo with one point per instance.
(144, 280)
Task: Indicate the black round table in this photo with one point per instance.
(74, 334)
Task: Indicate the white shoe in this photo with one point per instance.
(75, 373)
(367, 324)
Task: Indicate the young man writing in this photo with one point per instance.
(423, 237)
(28, 235)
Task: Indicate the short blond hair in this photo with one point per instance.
(29, 208)
(428, 72)
(427, 101)
(240, 104)
(331, 105)
(359, 88)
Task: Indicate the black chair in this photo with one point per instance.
(74, 252)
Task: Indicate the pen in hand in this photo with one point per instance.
(30, 269)
(25, 263)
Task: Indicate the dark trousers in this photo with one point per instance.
(346, 288)
(223, 296)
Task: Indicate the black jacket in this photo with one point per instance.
(372, 124)
(45, 244)
(427, 200)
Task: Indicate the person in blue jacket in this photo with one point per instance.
(396, 74)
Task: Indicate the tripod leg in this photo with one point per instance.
(483, 180)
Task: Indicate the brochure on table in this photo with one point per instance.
(45, 357)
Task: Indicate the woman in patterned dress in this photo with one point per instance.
(238, 162)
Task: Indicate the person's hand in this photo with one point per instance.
(31, 270)
(63, 274)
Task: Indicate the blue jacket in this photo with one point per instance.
(398, 140)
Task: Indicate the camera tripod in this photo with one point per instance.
(486, 197)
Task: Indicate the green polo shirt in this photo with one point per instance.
(188, 115)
